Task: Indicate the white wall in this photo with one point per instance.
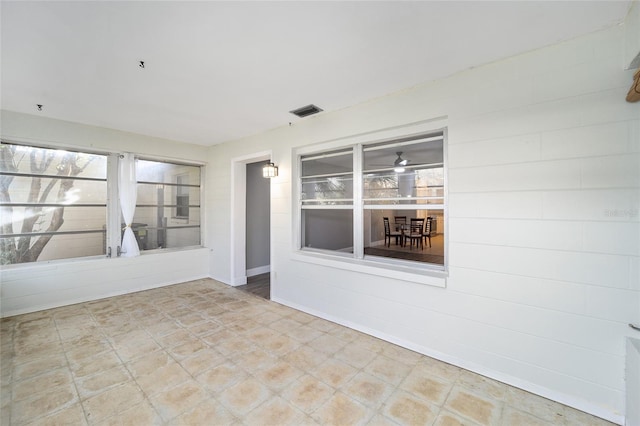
(41, 285)
(544, 225)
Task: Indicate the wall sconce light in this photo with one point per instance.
(269, 170)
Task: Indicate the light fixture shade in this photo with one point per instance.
(269, 170)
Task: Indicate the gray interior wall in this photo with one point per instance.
(258, 208)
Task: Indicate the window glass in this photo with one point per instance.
(400, 241)
(328, 229)
(53, 204)
(402, 206)
(327, 179)
(168, 205)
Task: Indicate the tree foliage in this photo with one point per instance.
(44, 188)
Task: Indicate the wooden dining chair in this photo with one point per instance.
(388, 233)
(415, 233)
(427, 230)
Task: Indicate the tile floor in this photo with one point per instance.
(202, 353)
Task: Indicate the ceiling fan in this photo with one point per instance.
(398, 165)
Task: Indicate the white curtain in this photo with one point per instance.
(128, 189)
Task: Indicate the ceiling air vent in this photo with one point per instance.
(306, 110)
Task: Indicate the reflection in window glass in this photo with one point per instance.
(53, 204)
(402, 180)
(168, 206)
(330, 229)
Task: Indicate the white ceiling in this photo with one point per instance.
(218, 71)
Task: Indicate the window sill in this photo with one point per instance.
(419, 275)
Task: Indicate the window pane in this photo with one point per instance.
(399, 241)
(168, 206)
(328, 229)
(332, 163)
(45, 194)
(418, 186)
(329, 189)
(404, 173)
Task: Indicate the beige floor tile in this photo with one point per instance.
(305, 358)
(280, 345)
(202, 361)
(480, 409)
(334, 372)
(44, 403)
(304, 333)
(514, 417)
(275, 411)
(179, 337)
(278, 375)
(446, 418)
(91, 385)
(208, 412)
(573, 417)
(175, 401)
(234, 346)
(405, 408)
(355, 354)
(342, 410)
(112, 402)
(327, 344)
(39, 366)
(221, 377)
(71, 415)
(388, 370)
(380, 420)
(322, 325)
(163, 378)
(41, 384)
(137, 415)
(148, 364)
(430, 388)
(480, 384)
(307, 393)
(284, 325)
(245, 396)
(188, 349)
(368, 390)
(533, 404)
(256, 359)
(204, 328)
(433, 367)
(345, 334)
(402, 355)
(88, 366)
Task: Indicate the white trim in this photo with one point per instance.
(238, 238)
(259, 270)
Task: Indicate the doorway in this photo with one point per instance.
(250, 224)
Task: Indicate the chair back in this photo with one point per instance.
(427, 228)
(401, 220)
(416, 227)
(387, 227)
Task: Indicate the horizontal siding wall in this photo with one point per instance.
(544, 227)
(41, 285)
(49, 285)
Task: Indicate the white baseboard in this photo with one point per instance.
(259, 270)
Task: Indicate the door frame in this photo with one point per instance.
(238, 220)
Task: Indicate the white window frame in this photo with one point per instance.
(113, 238)
(417, 272)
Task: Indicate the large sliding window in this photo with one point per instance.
(62, 204)
(168, 207)
(53, 203)
(382, 201)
